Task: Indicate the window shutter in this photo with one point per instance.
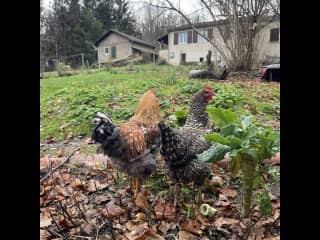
(274, 35)
(189, 36)
(210, 32)
(175, 38)
(195, 37)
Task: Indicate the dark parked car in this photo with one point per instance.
(269, 73)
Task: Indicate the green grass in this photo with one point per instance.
(71, 102)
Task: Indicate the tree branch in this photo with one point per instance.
(64, 161)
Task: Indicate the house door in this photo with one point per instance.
(183, 58)
(113, 52)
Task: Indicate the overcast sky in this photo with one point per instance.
(188, 6)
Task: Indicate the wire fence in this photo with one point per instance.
(76, 62)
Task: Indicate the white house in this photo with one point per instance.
(182, 44)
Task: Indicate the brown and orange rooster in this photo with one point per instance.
(132, 146)
(179, 147)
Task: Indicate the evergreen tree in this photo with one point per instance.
(85, 34)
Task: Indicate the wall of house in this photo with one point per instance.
(163, 53)
(195, 51)
(123, 47)
(264, 46)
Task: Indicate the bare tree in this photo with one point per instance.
(236, 24)
(156, 21)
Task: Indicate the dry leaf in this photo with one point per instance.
(62, 191)
(165, 210)
(275, 159)
(229, 192)
(44, 162)
(45, 221)
(191, 226)
(224, 162)
(201, 219)
(138, 233)
(93, 185)
(183, 235)
(152, 235)
(141, 200)
(66, 178)
(90, 213)
(225, 221)
(44, 235)
(102, 198)
(139, 217)
(60, 153)
(87, 228)
(111, 210)
(164, 227)
(223, 201)
(77, 184)
(217, 181)
(132, 225)
(272, 238)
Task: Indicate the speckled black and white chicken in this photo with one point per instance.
(179, 147)
(132, 146)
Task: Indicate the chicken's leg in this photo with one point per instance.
(136, 184)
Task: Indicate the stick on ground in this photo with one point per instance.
(64, 161)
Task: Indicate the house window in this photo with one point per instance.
(201, 59)
(183, 37)
(200, 38)
(106, 51)
(274, 34)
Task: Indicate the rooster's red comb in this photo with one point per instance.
(208, 87)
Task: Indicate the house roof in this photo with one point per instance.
(200, 25)
(130, 38)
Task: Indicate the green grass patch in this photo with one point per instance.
(67, 104)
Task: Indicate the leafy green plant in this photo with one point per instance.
(226, 98)
(181, 117)
(214, 154)
(250, 144)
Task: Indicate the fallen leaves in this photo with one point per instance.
(141, 200)
(192, 226)
(217, 181)
(45, 221)
(222, 221)
(183, 235)
(164, 226)
(165, 210)
(228, 193)
(93, 194)
(274, 160)
(112, 210)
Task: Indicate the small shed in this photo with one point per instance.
(114, 45)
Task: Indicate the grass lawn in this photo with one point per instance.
(69, 103)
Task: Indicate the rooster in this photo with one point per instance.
(180, 147)
(132, 146)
